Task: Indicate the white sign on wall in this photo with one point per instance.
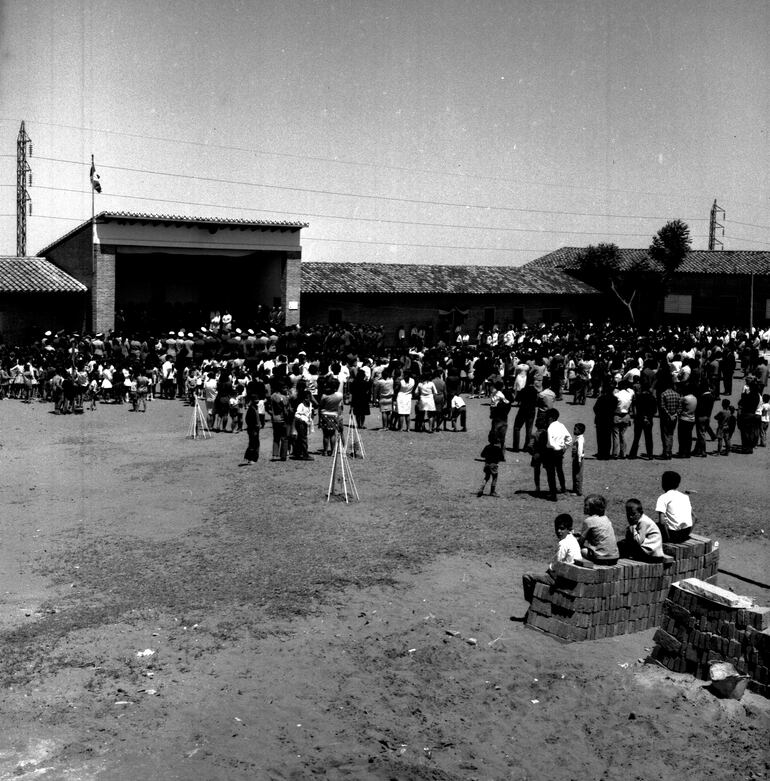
(677, 305)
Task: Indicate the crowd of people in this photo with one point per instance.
(419, 382)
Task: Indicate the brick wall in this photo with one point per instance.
(25, 317)
(103, 291)
(587, 603)
(699, 628)
(290, 288)
(404, 310)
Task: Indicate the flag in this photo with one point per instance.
(95, 183)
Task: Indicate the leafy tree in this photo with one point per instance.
(601, 265)
(670, 246)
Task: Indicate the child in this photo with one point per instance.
(458, 411)
(597, 536)
(567, 552)
(251, 456)
(675, 515)
(261, 414)
(764, 419)
(643, 538)
(578, 449)
(492, 455)
(726, 420)
(303, 421)
(538, 446)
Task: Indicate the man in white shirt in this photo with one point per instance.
(558, 440)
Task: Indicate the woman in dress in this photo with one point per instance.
(360, 390)
(404, 401)
(330, 407)
(440, 400)
(385, 396)
(426, 405)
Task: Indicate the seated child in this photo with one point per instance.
(567, 552)
(643, 540)
(675, 515)
(597, 537)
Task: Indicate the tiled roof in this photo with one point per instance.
(696, 262)
(35, 275)
(425, 279)
(175, 219)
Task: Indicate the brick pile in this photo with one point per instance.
(592, 602)
(713, 625)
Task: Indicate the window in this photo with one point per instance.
(335, 316)
(518, 316)
(489, 317)
(677, 305)
(551, 316)
(767, 309)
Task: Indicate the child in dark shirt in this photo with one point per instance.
(492, 455)
(726, 421)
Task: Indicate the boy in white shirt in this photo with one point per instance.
(567, 552)
(675, 515)
(458, 411)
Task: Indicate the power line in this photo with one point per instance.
(349, 218)
(367, 196)
(751, 241)
(339, 161)
(747, 224)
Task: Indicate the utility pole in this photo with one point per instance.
(23, 177)
(713, 225)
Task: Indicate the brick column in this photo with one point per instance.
(103, 290)
(290, 287)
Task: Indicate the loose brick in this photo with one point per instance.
(759, 617)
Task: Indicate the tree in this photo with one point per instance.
(602, 266)
(670, 246)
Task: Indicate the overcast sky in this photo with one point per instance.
(421, 131)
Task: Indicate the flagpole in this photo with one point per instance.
(93, 221)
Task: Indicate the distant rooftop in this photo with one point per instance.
(175, 219)
(696, 262)
(35, 275)
(392, 278)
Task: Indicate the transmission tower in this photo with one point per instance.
(714, 225)
(23, 178)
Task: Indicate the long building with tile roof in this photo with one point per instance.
(438, 296)
(36, 295)
(710, 286)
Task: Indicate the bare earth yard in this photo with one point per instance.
(167, 614)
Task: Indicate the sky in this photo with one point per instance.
(421, 131)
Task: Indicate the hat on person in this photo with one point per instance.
(238, 331)
(189, 334)
(181, 333)
(250, 332)
(203, 329)
(47, 333)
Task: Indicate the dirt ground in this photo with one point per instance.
(168, 614)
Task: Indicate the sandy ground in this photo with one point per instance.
(146, 632)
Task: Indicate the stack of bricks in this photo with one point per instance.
(698, 557)
(591, 602)
(713, 625)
